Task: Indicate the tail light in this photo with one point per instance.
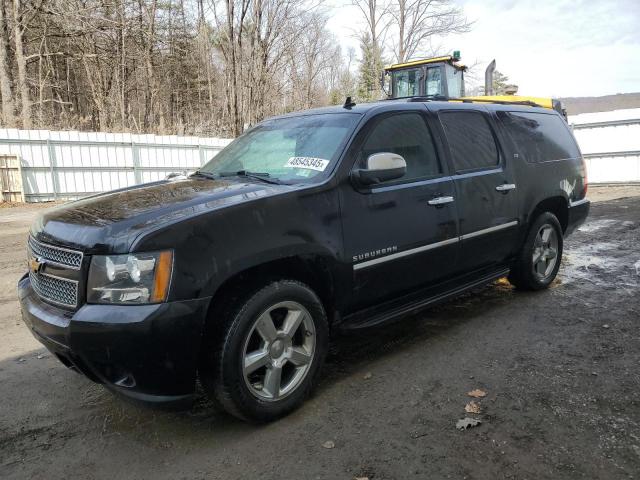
(585, 180)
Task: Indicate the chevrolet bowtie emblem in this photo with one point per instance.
(36, 264)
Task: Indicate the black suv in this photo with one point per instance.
(341, 217)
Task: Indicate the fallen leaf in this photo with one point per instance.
(477, 393)
(367, 376)
(329, 444)
(472, 407)
(467, 423)
(361, 478)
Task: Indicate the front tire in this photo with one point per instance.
(265, 353)
(539, 259)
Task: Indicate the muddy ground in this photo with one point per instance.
(561, 369)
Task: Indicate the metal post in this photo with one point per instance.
(22, 182)
(52, 168)
(201, 155)
(135, 154)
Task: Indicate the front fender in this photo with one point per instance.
(314, 256)
(210, 249)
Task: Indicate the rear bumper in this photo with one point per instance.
(578, 213)
(147, 352)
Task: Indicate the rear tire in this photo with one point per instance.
(539, 259)
(264, 353)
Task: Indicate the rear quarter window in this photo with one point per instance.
(470, 140)
(539, 137)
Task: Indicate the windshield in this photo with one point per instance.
(433, 83)
(406, 82)
(289, 149)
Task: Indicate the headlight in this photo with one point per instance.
(135, 278)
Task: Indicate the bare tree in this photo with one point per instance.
(23, 86)
(8, 108)
(416, 22)
(171, 66)
(231, 28)
(377, 17)
(317, 54)
(376, 14)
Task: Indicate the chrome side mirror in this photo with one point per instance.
(381, 167)
(177, 175)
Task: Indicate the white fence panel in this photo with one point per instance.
(69, 165)
(610, 143)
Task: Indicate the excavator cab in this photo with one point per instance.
(431, 78)
(442, 78)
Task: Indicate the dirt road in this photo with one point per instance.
(560, 369)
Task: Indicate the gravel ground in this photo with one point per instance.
(560, 369)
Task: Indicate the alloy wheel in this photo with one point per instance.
(278, 351)
(545, 252)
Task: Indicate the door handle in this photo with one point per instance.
(505, 187)
(440, 201)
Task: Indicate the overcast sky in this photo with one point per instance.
(555, 48)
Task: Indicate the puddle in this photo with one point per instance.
(595, 263)
(595, 225)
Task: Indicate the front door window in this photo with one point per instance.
(407, 135)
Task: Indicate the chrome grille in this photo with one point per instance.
(52, 254)
(55, 289)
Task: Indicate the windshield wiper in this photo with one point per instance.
(200, 173)
(263, 176)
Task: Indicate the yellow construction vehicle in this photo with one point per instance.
(442, 78)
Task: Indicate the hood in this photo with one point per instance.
(110, 222)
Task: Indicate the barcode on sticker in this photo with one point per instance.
(309, 163)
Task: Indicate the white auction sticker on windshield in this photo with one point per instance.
(310, 163)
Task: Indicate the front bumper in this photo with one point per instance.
(147, 352)
(578, 213)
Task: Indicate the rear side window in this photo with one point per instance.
(539, 137)
(470, 139)
(406, 134)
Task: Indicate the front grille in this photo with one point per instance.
(52, 254)
(55, 289)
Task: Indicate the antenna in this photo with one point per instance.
(348, 103)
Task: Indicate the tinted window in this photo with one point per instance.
(539, 137)
(405, 134)
(470, 140)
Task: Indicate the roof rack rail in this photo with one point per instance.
(442, 98)
(429, 98)
(527, 103)
(420, 98)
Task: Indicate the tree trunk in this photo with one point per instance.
(8, 108)
(23, 87)
(235, 114)
(402, 45)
